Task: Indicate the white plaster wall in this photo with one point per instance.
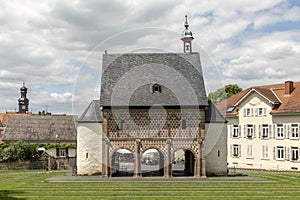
(71, 152)
(89, 148)
(256, 161)
(216, 148)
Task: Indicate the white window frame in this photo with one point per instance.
(261, 112)
(250, 130)
(265, 152)
(265, 131)
(294, 131)
(62, 152)
(235, 131)
(294, 154)
(236, 150)
(248, 112)
(280, 153)
(280, 131)
(249, 151)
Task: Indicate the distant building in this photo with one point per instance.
(43, 128)
(54, 129)
(263, 127)
(112, 124)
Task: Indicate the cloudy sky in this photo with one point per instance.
(56, 46)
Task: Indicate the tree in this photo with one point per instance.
(224, 92)
(18, 151)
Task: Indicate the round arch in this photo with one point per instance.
(152, 162)
(122, 162)
(183, 162)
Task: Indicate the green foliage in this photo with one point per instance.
(23, 151)
(224, 92)
(19, 151)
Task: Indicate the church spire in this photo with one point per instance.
(23, 100)
(187, 38)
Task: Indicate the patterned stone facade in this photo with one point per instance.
(166, 130)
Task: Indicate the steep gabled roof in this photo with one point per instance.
(127, 80)
(268, 94)
(212, 114)
(275, 94)
(93, 113)
(36, 128)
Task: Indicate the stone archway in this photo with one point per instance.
(122, 163)
(152, 162)
(183, 163)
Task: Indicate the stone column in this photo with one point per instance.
(105, 165)
(203, 161)
(168, 161)
(197, 173)
(137, 159)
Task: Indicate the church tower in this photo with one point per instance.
(23, 100)
(187, 38)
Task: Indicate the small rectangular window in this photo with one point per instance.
(250, 130)
(295, 131)
(248, 112)
(295, 153)
(280, 133)
(265, 130)
(121, 125)
(265, 152)
(183, 124)
(249, 151)
(261, 112)
(235, 150)
(235, 131)
(61, 152)
(280, 153)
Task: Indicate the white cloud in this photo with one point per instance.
(56, 46)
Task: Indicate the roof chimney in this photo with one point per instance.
(289, 86)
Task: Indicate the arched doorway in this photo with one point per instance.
(122, 163)
(183, 163)
(152, 163)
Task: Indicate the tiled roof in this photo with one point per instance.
(37, 128)
(4, 121)
(127, 80)
(93, 113)
(275, 94)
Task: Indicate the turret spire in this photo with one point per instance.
(187, 38)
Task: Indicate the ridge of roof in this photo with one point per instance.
(274, 93)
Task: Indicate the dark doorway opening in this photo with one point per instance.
(183, 163)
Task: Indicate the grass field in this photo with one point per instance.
(34, 185)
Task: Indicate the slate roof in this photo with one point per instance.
(275, 94)
(92, 114)
(127, 80)
(212, 114)
(37, 128)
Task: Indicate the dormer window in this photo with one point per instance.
(156, 88)
(230, 109)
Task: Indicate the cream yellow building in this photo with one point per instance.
(263, 127)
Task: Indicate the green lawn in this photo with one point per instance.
(33, 185)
